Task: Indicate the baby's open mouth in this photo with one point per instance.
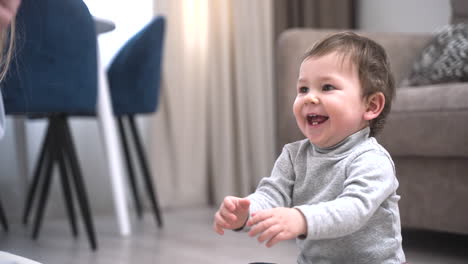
(314, 120)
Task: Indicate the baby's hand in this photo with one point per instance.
(232, 214)
(277, 224)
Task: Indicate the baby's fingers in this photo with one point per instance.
(269, 233)
(229, 204)
(218, 229)
(228, 216)
(275, 239)
(243, 204)
(258, 217)
(220, 224)
(260, 228)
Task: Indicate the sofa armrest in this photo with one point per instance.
(428, 121)
(436, 97)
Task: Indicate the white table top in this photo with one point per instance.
(103, 25)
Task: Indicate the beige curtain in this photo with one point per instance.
(328, 14)
(338, 14)
(213, 134)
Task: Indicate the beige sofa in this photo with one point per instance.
(426, 132)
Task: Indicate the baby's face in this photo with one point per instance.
(329, 105)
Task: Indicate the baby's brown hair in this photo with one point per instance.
(371, 62)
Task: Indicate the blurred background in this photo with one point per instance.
(187, 181)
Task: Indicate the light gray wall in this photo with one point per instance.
(403, 15)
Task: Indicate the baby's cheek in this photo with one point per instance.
(297, 107)
(297, 110)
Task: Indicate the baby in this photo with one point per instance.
(335, 192)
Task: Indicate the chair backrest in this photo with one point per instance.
(55, 68)
(135, 72)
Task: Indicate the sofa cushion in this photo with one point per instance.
(443, 60)
(429, 121)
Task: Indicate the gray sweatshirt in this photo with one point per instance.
(347, 194)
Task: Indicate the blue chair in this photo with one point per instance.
(54, 76)
(134, 81)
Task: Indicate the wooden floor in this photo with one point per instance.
(187, 237)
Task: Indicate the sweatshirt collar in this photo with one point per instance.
(345, 145)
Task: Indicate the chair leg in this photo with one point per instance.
(146, 174)
(50, 153)
(47, 181)
(79, 182)
(3, 218)
(130, 169)
(65, 180)
(43, 159)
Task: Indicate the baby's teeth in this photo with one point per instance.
(314, 123)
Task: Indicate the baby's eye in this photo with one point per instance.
(303, 89)
(328, 87)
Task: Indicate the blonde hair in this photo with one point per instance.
(7, 44)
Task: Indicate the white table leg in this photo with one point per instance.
(113, 150)
(19, 124)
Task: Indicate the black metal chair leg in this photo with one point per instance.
(146, 173)
(45, 186)
(130, 170)
(79, 183)
(43, 156)
(65, 180)
(3, 218)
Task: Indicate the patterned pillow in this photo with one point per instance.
(444, 59)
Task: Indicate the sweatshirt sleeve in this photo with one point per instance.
(276, 190)
(370, 180)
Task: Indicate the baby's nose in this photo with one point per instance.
(311, 99)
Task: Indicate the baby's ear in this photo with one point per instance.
(374, 105)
